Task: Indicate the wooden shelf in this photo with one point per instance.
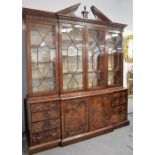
(71, 56)
(40, 78)
(78, 72)
(39, 46)
(72, 72)
(68, 40)
(42, 62)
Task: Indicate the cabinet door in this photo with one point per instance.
(115, 58)
(72, 46)
(74, 117)
(96, 56)
(99, 112)
(42, 57)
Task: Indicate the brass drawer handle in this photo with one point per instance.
(52, 104)
(113, 104)
(54, 133)
(39, 137)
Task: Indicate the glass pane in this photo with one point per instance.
(72, 64)
(43, 54)
(114, 42)
(96, 51)
(35, 38)
(43, 57)
(72, 82)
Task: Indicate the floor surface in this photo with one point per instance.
(118, 142)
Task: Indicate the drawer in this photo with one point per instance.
(119, 113)
(38, 138)
(116, 95)
(37, 107)
(119, 98)
(119, 109)
(118, 101)
(120, 94)
(45, 115)
(45, 125)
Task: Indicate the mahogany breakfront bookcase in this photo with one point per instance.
(75, 77)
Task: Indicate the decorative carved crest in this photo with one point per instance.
(69, 14)
(70, 10)
(99, 14)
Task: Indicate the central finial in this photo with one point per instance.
(85, 13)
(84, 8)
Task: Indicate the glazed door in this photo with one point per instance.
(71, 58)
(42, 57)
(96, 59)
(115, 58)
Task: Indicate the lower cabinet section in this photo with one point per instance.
(69, 119)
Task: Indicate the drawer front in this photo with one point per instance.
(45, 125)
(45, 115)
(120, 94)
(37, 107)
(38, 138)
(119, 113)
(119, 98)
